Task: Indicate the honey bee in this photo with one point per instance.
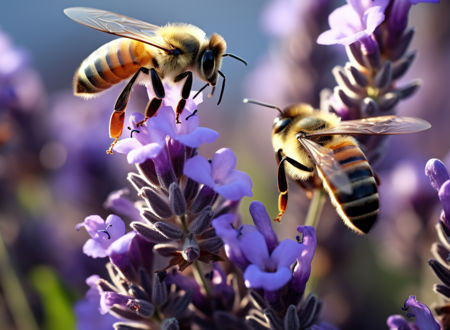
(173, 51)
(316, 149)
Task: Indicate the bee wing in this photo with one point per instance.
(381, 125)
(119, 25)
(323, 158)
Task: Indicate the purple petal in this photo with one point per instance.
(444, 196)
(437, 172)
(199, 169)
(223, 162)
(121, 245)
(256, 278)
(124, 146)
(415, 2)
(115, 226)
(198, 136)
(92, 224)
(286, 252)
(424, 318)
(88, 312)
(263, 222)
(140, 155)
(303, 268)
(118, 203)
(109, 299)
(373, 17)
(223, 225)
(397, 322)
(254, 247)
(345, 19)
(237, 185)
(164, 121)
(95, 249)
(122, 255)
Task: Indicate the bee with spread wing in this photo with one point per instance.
(174, 51)
(316, 149)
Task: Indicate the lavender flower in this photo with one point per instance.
(378, 56)
(220, 174)
(422, 314)
(355, 21)
(439, 178)
(88, 310)
(103, 233)
(266, 264)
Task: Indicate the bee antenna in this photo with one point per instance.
(263, 104)
(223, 86)
(236, 58)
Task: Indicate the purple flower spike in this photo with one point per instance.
(220, 174)
(303, 268)
(268, 271)
(437, 172)
(103, 234)
(424, 318)
(354, 21)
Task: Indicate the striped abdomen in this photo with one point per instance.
(110, 64)
(359, 209)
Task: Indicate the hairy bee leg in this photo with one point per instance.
(155, 103)
(118, 116)
(185, 92)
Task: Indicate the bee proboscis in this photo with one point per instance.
(174, 51)
(316, 149)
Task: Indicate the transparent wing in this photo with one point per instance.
(330, 167)
(382, 125)
(119, 25)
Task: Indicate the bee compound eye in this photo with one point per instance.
(280, 124)
(208, 63)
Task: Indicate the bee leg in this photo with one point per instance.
(185, 92)
(155, 103)
(283, 189)
(118, 115)
(282, 182)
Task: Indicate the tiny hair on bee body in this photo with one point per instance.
(176, 51)
(316, 150)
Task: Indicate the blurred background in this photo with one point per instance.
(54, 170)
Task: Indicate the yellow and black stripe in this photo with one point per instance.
(111, 63)
(359, 209)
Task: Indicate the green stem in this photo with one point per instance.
(14, 294)
(315, 208)
(201, 279)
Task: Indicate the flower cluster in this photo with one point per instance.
(377, 41)
(440, 181)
